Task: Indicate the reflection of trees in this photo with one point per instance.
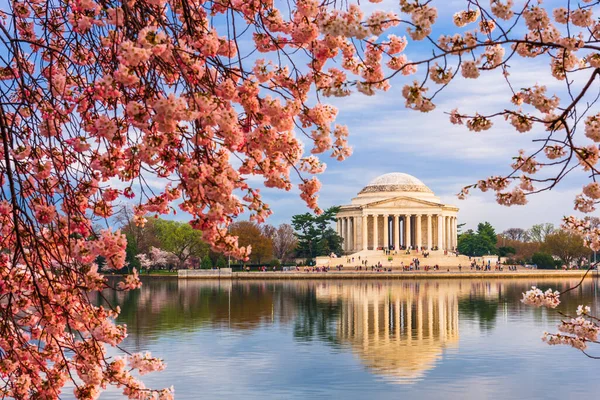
(484, 310)
(169, 306)
(315, 318)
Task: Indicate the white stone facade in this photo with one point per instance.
(397, 211)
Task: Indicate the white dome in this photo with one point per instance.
(395, 182)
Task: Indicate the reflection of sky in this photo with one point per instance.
(503, 360)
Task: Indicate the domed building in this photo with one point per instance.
(397, 211)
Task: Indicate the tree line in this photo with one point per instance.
(544, 245)
(166, 244)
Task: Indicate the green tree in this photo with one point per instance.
(504, 251)
(206, 263)
(477, 244)
(330, 242)
(221, 262)
(181, 240)
(487, 232)
(131, 252)
(566, 246)
(275, 263)
(543, 260)
(315, 235)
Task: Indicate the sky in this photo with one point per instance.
(387, 137)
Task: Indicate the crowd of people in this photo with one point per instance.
(362, 264)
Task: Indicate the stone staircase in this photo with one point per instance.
(374, 257)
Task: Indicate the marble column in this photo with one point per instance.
(429, 232)
(365, 232)
(354, 234)
(343, 232)
(448, 236)
(386, 231)
(455, 231)
(418, 228)
(375, 232)
(339, 226)
(444, 231)
(445, 225)
(348, 235)
(452, 243)
(396, 232)
(440, 232)
(407, 222)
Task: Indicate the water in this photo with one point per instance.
(450, 339)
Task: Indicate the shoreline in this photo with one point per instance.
(214, 274)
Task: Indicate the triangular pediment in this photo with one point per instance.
(402, 202)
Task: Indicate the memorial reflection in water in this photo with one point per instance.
(399, 331)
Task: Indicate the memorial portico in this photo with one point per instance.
(397, 211)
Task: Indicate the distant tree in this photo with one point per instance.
(477, 244)
(181, 240)
(284, 242)
(206, 263)
(467, 243)
(156, 258)
(330, 242)
(268, 231)
(565, 245)
(139, 238)
(516, 234)
(523, 250)
(131, 252)
(538, 232)
(543, 260)
(487, 232)
(250, 234)
(506, 250)
(221, 262)
(275, 263)
(315, 236)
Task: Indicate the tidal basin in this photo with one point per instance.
(413, 339)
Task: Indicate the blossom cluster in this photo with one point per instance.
(536, 297)
(576, 332)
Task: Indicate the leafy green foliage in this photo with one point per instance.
(275, 263)
(504, 251)
(543, 260)
(480, 243)
(206, 263)
(131, 251)
(221, 262)
(180, 239)
(315, 236)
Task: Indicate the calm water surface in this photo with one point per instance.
(450, 339)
